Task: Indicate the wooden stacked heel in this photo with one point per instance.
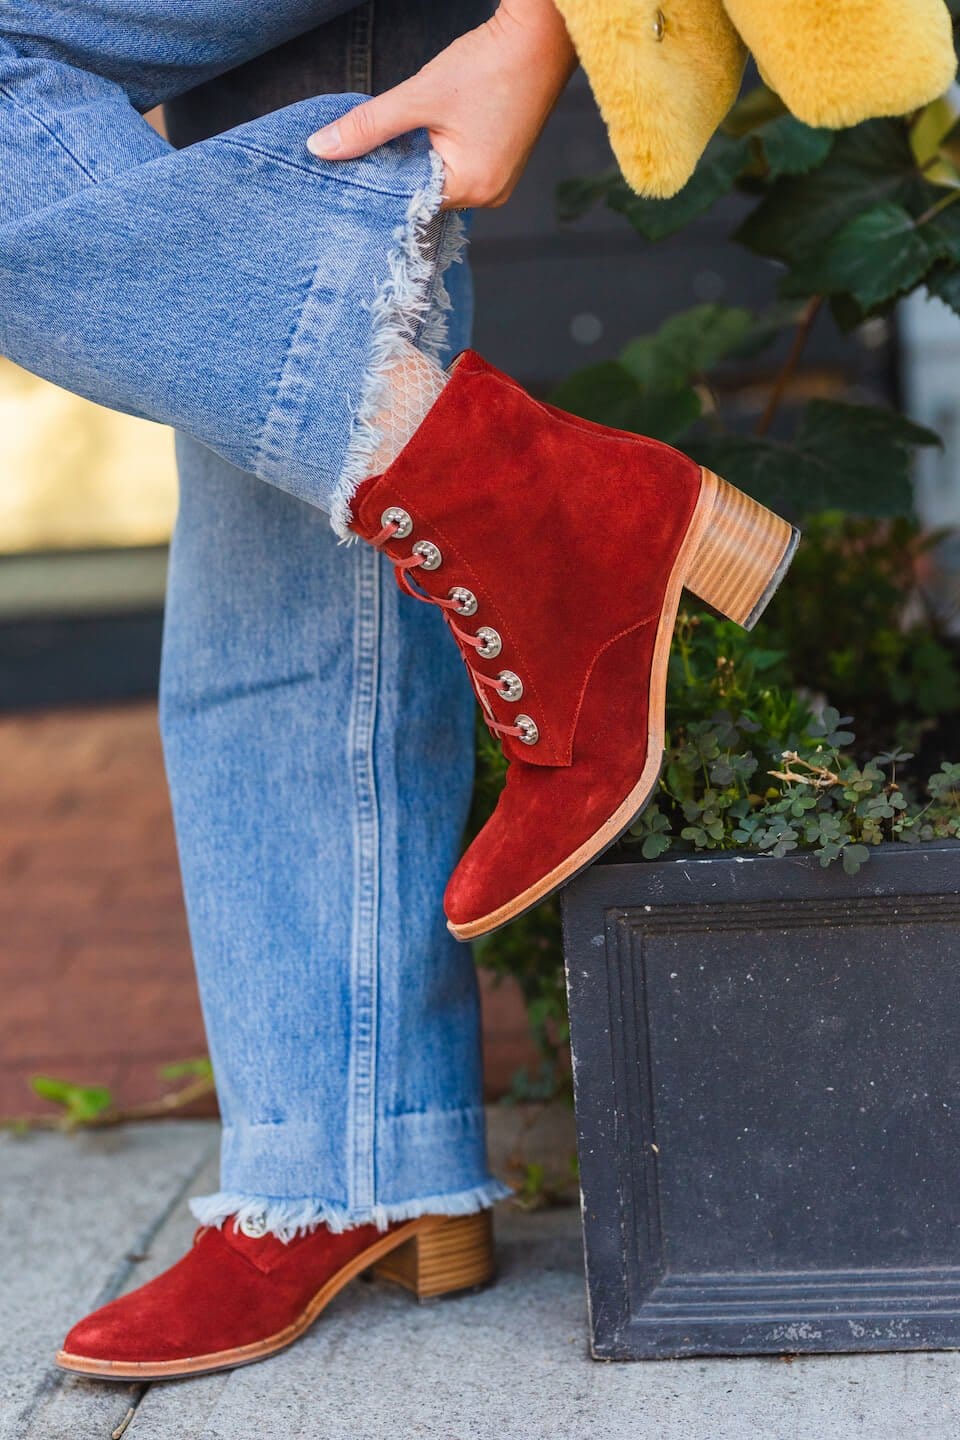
(454, 1254)
(744, 554)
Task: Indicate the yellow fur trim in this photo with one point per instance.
(837, 62)
(664, 75)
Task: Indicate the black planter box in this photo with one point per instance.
(767, 1072)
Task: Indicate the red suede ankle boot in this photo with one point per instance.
(557, 550)
(240, 1295)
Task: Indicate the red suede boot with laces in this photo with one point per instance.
(240, 1294)
(558, 550)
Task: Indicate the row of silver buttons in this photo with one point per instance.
(511, 686)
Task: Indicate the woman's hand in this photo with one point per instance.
(483, 101)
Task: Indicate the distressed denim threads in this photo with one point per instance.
(317, 726)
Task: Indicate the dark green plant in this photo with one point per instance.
(853, 221)
(749, 766)
(859, 626)
(94, 1106)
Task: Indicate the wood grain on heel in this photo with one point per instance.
(743, 555)
(455, 1254)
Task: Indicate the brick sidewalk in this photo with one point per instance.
(96, 982)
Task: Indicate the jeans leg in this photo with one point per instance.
(343, 1019)
(239, 290)
(318, 732)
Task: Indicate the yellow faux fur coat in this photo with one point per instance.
(665, 72)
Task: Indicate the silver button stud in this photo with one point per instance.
(659, 26)
(491, 644)
(511, 686)
(254, 1227)
(530, 734)
(395, 516)
(466, 600)
(432, 558)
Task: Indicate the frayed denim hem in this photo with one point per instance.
(411, 307)
(287, 1219)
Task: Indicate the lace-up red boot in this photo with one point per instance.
(240, 1295)
(557, 550)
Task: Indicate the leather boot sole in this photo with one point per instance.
(734, 555)
(431, 1256)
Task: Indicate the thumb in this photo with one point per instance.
(366, 126)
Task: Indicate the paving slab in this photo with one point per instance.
(510, 1363)
(76, 1213)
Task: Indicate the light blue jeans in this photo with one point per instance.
(317, 724)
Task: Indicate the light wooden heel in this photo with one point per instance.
(455, 1254)
(744, 553)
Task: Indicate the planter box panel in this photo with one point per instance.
(768, 1095)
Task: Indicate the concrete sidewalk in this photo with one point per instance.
(83, 1218)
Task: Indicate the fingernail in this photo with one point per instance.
(325, 142)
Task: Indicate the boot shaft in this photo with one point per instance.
(533, 512)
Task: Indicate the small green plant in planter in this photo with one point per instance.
(750, 764)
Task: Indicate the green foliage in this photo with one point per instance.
(857, 219)
(756, 758)
(199, 1068)
(749, 765)
(759, 141)
(652, 388)
(841, 456)
(855, 458)
(862, 215)
(857, 626)
(79, 1103)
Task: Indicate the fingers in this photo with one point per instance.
(368, 125)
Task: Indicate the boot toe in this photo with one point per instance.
(110, 1333)
(542, 819)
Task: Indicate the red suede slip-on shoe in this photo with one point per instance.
(557, 550)
(239, 1295)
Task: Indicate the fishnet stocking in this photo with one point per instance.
(413, 384)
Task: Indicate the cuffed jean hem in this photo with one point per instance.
(288, 1218)
(429, 1162)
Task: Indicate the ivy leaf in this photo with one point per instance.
(848, 457)
(879, 255)
(687, 345)
(785, 146)
(575, 197)
(759, 138)
(792, 148)
(766, 659)
(610, 395)
(767, 327)
(867, 166)
(943, 283)
(716, 175)
(606, 393)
